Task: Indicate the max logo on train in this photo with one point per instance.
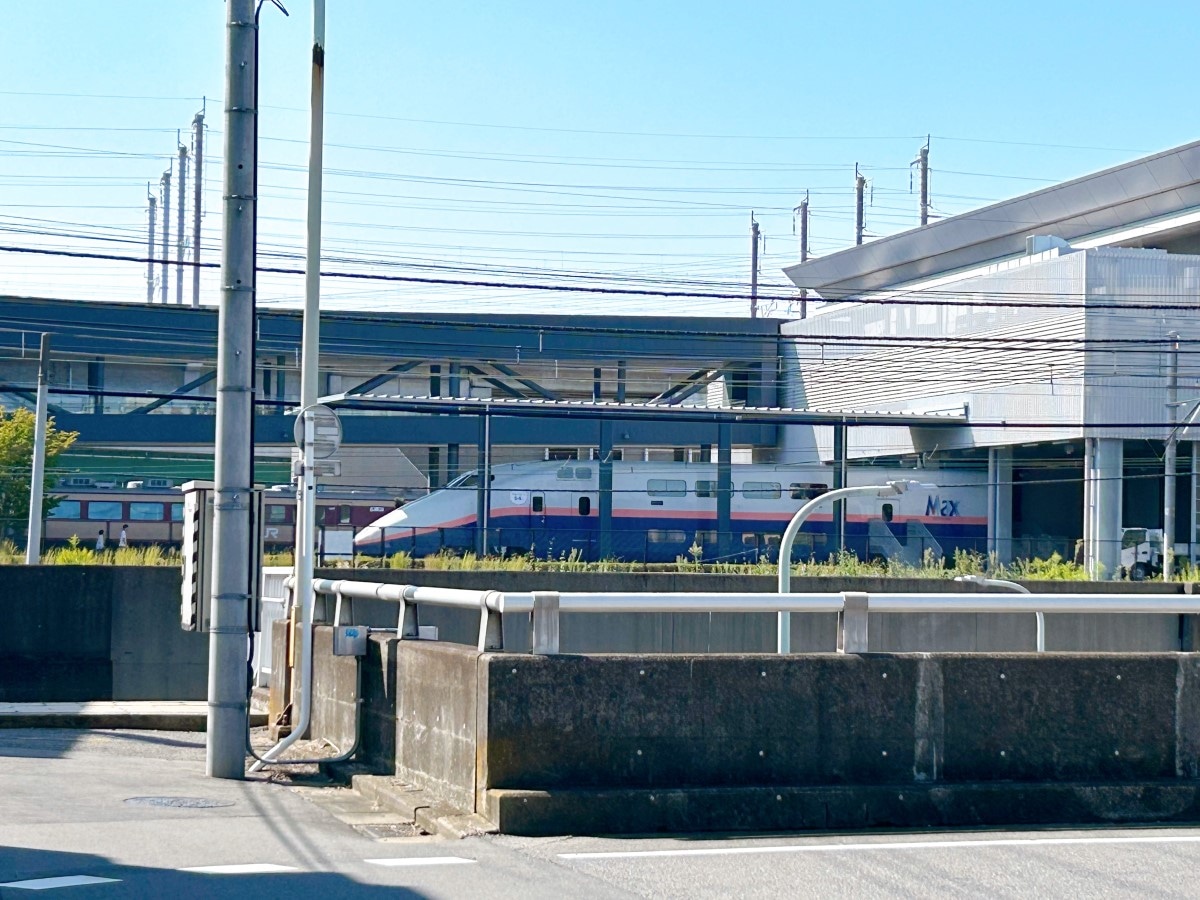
(935, 506)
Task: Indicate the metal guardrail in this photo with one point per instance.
(852, 608)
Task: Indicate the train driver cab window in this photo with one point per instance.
(887, 512)
(145, 512)
(706, 489)
(585, 506)
(539, 503)
(104, 510)
(66, 509)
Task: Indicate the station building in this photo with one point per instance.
(1063, 324)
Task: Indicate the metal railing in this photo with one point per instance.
(852, 608)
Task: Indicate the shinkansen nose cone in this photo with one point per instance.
(373, 534)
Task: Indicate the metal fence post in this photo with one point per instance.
(491, 623)
(545, 623)
(408, 627)
(852, 623)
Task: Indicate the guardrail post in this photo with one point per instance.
(545, 623)
(407, 627)
(852, 623)
(491, 623)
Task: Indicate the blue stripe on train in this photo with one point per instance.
(655, 540)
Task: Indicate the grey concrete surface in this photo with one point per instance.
(64, 814)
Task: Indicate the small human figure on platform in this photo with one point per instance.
(100, 540)
(123, 540)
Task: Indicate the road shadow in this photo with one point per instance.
(23, 865)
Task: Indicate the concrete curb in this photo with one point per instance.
(141, 715)
(840, 807)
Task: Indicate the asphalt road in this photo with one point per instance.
(131, 814)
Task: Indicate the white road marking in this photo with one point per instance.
(46, 884)
(420, 861)
(243, 869)
(893, 845)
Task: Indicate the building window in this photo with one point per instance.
(145, 512)
(666, 487)
(761, 490)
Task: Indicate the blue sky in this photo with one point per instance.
(617, 144)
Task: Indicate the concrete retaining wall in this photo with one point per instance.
(578, 744)
(97, 633)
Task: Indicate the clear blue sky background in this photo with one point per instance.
(620, 144)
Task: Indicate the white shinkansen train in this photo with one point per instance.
(661, 511)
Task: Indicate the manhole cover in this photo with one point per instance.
(181, 802)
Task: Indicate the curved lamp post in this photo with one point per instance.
(1017, 588)
(890, 489)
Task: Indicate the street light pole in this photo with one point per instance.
(890, 489)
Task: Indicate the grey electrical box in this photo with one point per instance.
(350, 640)
(199, 498)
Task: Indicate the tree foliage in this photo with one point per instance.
(16, 463)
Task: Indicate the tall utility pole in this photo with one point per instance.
(860, 184)
(166, 241)
(310, 346)
(923, 165)
(179, 241)
(198, 202)
(33, 545)
(753, 267)
(803, 208)
(1169, 460)
(231, 569)
(150, 252)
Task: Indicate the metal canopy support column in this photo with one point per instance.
(606, 489)
(484, 493)
(527, 382)
(839, 482)
(177, 394)
(1000, 491)
(454, 386)
(724, 490)
(371, 383)
(621, 381)
(1110, 459)
(597, 384)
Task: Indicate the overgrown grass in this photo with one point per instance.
(76, 554)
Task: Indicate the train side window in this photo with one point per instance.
(344, 514)
(276, 513)
(583, 473)
(176, 512)
(659, 536)
(749, 539)
(66, 509)
(141, 511)
(323, 517)
(761, 490)
(706, 537)
(666, 487)
(806, 491)
(103, 510)
(887, 512)
(565, 473)
(585, 506)
(539, 503)
(706, 489)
